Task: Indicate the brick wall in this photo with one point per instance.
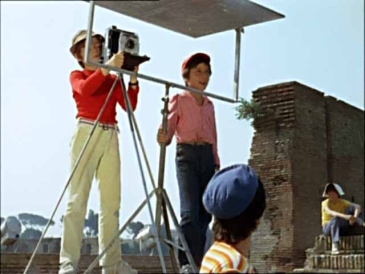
(48, 263)
(346, 148)
(303, 141)
(309, 168)
(49, 245)
(270, 157)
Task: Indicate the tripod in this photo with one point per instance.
(163, 202)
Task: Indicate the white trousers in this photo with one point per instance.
(102, 160)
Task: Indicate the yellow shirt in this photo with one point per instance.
(222, 257)
(340, 206)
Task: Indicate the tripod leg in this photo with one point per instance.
(169, 237)
(159, 197)
(156, 235)
(71, 175)
(124, 227)
(181, 236)
(165, 216)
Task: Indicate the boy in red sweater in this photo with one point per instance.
(101, 158)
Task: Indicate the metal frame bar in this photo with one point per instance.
(237, 63)
(158, 80)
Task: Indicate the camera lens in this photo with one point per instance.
(130, 44)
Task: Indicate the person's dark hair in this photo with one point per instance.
(240, 227)
(78, 48)
(192, 64)
(331, 187)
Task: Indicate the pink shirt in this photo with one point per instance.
(191, 122)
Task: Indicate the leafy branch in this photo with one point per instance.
(248, 110)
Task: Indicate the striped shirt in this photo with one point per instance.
(191, 122)
(222, 257)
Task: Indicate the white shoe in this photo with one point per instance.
(186, 269)
(120, 268)
(68, 268)
(334, 250)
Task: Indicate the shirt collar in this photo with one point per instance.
(186, 93)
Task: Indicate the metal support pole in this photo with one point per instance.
(161, 167)
(89, 32)
(237, 63)
(161, 174)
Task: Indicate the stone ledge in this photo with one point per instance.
(353, 243)
(352, 261)
(345, 252)
(304, 270)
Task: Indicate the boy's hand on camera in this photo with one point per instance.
(117, 60)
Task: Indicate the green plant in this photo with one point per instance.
(247, 109)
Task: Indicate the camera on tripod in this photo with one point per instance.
(120, 40)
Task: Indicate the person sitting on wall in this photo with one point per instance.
(339, 216)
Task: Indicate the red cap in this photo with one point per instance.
(203, 56)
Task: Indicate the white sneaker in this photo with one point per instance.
(120, 268)
(334, 250)
(186, 269)
(68, 268)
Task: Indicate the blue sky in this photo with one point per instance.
(319, 44)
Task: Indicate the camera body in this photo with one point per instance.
(116, 40)
(120, 40)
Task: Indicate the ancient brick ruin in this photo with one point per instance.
(303, 141)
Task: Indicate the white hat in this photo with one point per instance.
(81, 36)
(336, 186)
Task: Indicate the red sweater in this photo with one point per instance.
(90, 89)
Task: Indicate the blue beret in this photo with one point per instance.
(230, 191)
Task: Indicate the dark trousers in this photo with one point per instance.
(195, 167)
(340, 227)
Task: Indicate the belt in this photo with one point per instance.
(102, 125)
(195, 143)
